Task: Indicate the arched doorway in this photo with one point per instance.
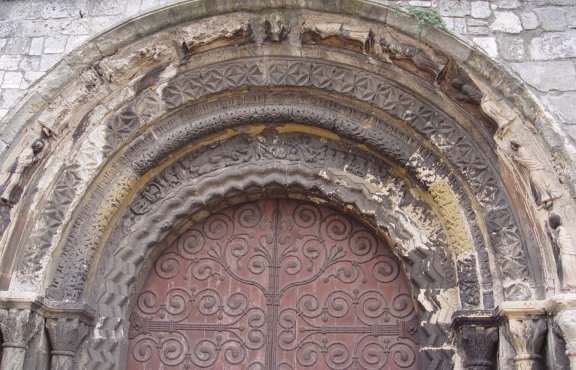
(275, 284)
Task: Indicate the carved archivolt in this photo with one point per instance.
(324, 107)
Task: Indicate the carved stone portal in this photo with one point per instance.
(275, 284)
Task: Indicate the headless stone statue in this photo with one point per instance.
(566, 250)
(540, 178)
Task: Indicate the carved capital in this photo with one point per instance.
(566, 321)
(528, 335)
(18, 326)
(477, 335)
(66, 334)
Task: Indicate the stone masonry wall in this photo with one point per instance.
(536, 39)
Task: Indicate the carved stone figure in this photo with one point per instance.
(276, 29)
(566, 250)
(540, 178)
(499, 112)
(23, 166)
(566, 320)
(395, 49)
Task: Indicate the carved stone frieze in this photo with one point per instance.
(468, 282)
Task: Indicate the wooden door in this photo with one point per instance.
(275, 284)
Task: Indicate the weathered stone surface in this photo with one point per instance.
(552, 19)
(488, 44)
(12, 80)
(454, 8)
(480, 9)
(562, 105)
(508, 4)
(507, 22)
(554, 45)
(544, 76)
(511, 48)
(529, 20)
(55, 45)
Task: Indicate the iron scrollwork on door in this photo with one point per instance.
(275, 284)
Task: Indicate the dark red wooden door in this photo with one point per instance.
(275, 284)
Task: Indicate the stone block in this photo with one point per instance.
(75, 41)
(454, 8)
(507, 4)
(488, 44)
(48, 60)
(506, 22)
(562, 105)
(9, 62)
(12, 80)
(30, 63)
(511, 48)
(59, 9)
(36, 46)
(552, 19)
(571, 17)
(10, 97)
(554, 45)
(55, 45)
(529, 20)
(544, 76)
(106, 7)
(16, 45)
(8, 28)
(480, 9)
(3, 42)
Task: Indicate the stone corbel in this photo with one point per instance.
(477, 337)
(527, 328)
(19, 322)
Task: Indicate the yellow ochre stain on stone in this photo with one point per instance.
(449, 209)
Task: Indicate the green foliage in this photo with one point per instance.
(426, 17)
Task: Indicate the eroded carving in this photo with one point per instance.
(18, 326)
(479, 344)
(540, 178)
(66, 334)
(566, 250)
(566, 321)
(468, 282)
(20, 172)
(528, 336)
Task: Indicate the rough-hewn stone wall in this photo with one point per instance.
(534, 38)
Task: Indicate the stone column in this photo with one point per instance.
(65, 335)
(18, 326)
(527, 328)
(566, 321)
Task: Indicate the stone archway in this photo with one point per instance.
(206, 104)
(275, 284)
